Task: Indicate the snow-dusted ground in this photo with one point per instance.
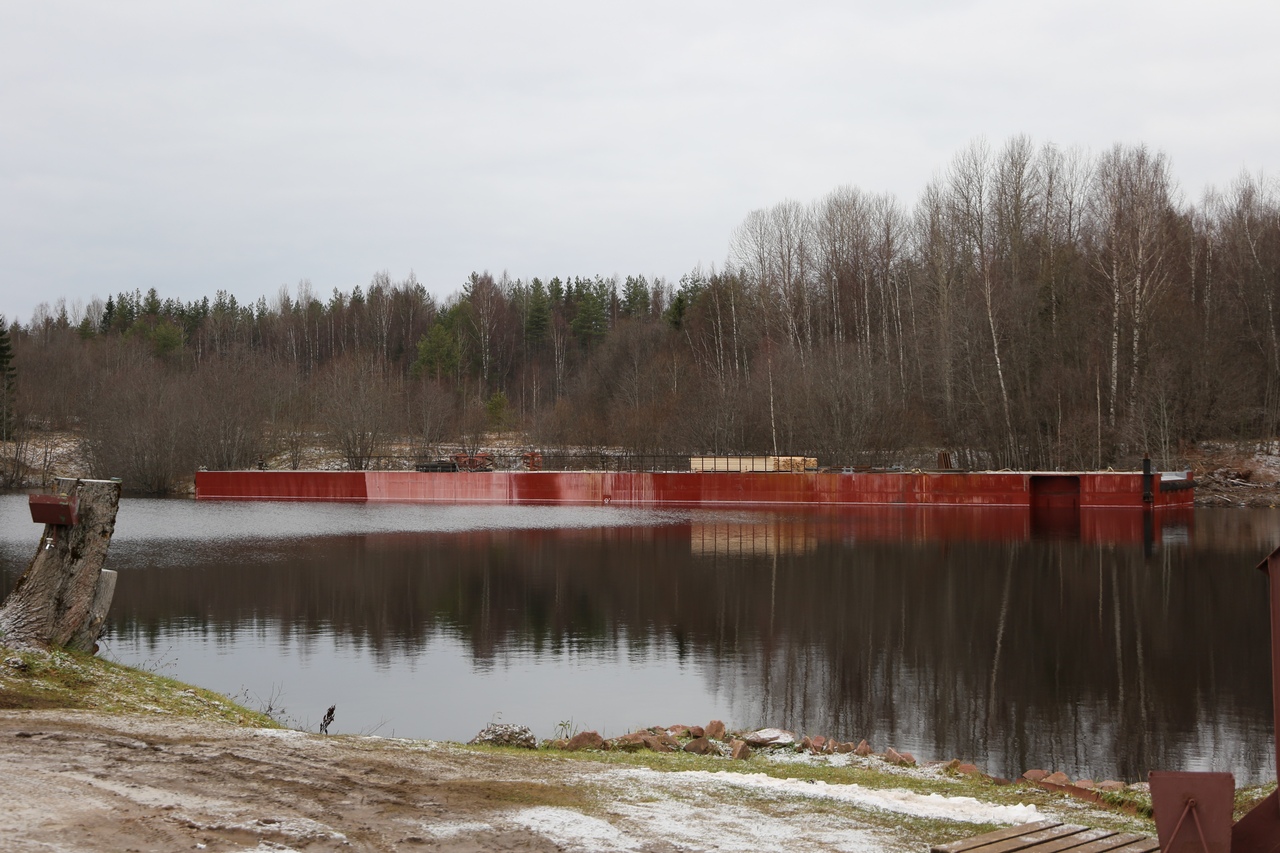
(722, 811)
(659, 803)
(735, 811)
(88, 782)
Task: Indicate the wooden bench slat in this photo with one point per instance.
(991, 837)
(1072, 843)
(1051, 837)
(1110, 844)
(1031, 839)
(1145, 845)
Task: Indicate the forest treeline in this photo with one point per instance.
(1035, 308)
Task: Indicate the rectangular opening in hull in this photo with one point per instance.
(1055, 506)
(1051, 491)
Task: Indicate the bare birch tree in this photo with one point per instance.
(1130, 213)
(969, 197)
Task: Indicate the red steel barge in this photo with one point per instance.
(714, 486)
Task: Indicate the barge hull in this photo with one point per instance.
(1032, 491)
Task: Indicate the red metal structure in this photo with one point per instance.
(58, 510)
(1259, 830)
(1193, 810)
(1054, 492)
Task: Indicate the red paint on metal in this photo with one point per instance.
(282, 485)
(1271, 566)
(690, 488)
(60, 510)
(1192, 810)
(1207, 798)
(975, 489)
(1259, 830)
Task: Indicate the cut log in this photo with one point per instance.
(63, 597)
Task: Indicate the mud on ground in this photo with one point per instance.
(87, 781)
(83, 781)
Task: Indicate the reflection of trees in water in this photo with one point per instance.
(1056, 654)
(1071, 657)
(540, 591)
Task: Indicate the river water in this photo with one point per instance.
(1103, 650)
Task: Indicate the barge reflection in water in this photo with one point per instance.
(942, 633)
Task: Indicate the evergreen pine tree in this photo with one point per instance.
(108, 314)
(8, 375)
(538, 319)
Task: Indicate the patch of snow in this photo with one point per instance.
(1266, 466)
(897, 800)
(450, 830)
(283, 734)
(932, 770)
(840, 759)
(739, 828)
(789, 756)
(573, 831)
(301, 828)
(144, 795)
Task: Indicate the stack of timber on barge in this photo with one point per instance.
(715, 485)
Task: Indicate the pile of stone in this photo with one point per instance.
(505, 734)
(713, 739)
(1062, 780)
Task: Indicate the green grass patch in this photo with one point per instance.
(1137, 801)
(1247, 798)
(875, 774)
(74, 680)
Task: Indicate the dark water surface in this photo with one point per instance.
(947, 635)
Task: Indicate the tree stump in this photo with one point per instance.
(63, 597)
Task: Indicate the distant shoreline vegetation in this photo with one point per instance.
(1034, 308)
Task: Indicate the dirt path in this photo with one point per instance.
(79, 781)
(84, 782)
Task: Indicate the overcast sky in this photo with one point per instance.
(193, 147)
